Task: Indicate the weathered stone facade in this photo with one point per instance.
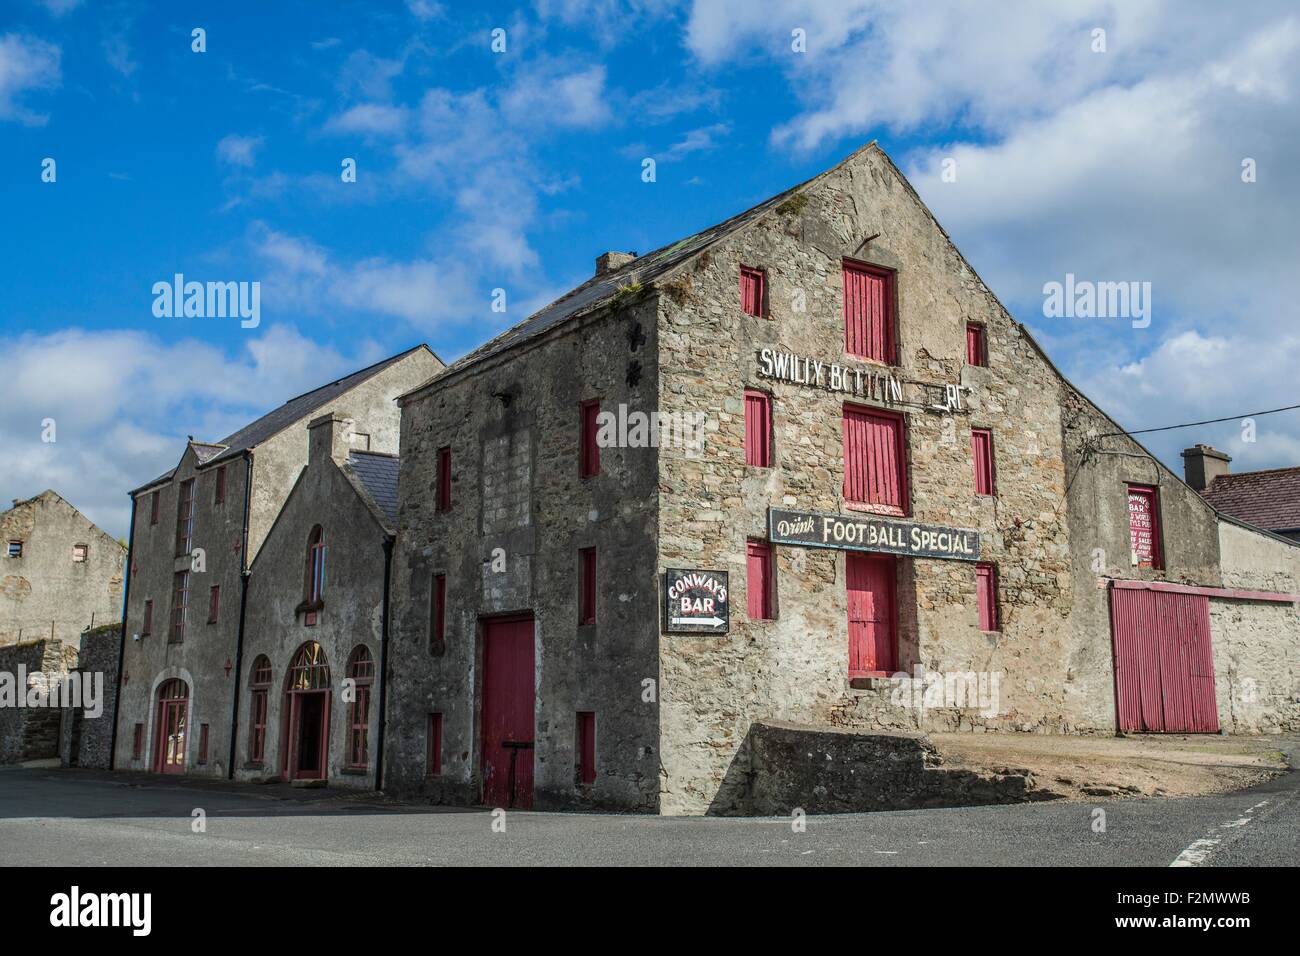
(255, 468)
(65, 577)
(87, 738)
(31, 733)
(1057, 528)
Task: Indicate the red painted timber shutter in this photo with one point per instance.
(759, 583)
(758, 429)
(586, 748)
(590, 451)
(439, 609)
(752, 283)
(203, 743)
(1144, 527)
(587, 598)
(981, 445)
(976, 352)
(873, 459)
(986, 586)
(147, 629)
(444, 478)
(137, 742)
(868, 313)
(1164, 662)
(434, 765)
(869, 580)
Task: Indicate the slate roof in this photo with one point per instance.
(305, 405)
(378, 474)
(600, 290)
(1267, 499)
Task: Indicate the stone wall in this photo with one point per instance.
(30, 733)
(520, 512)
(45, 593)
(86, 740)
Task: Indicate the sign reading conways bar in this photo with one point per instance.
(814, 529)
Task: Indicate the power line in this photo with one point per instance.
(1212, 421)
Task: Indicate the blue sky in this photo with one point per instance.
(480, 170)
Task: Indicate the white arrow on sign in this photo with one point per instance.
(711, 621)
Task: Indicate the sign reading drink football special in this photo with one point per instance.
(696, 601)
(814, 529)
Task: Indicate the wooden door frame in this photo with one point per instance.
(293, 725)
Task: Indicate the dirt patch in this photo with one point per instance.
(1089, 768)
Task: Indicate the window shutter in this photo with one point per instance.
(976, 349)
(759, 582)
(981, 444)
(986, 586)
(589, 452)
(758, 429)
(869, 312)
(435, 745)
(752, 289)
(586, 748)
(444, 478)
(873, 459)
(587, 597)
(438, 611)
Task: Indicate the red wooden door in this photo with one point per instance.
(872, 637)
(173, 719)
(1164, 662)
(309, 735)
(509, 697)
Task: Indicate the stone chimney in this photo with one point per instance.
(613, 261)
(329, 437)
(1202, 464)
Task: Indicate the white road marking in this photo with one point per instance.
(1199, 850)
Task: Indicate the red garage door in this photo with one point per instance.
(1164, 665)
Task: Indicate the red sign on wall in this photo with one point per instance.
(1142, 532)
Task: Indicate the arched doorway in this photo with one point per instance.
(306, 716)
(173, 719)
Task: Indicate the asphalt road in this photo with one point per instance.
(86, 818)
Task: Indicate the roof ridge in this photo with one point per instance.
(1251, 474)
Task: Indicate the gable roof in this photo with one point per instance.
(378, 475)
(277, 420)
(601, 290)
(1267, 499)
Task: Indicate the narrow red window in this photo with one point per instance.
(590, 451)
(981, 446)
(259, 685)
(587, 595)
(147, 628)
(155, 503)
(214, 603)
(758, 429)
(753, 291)
(438, 610)
(1144, 527)
(585, 750)
(435, 745)
(314, 584)
(220, 495)
(203, 743)
(444, 478)
(869, 312)
(759, 581)
(874, 455)
(185, 518)
(986, 588)
(180, 603)
(361, 668)
(137, 742)
(976, 347)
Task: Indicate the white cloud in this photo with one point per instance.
(122, 412)
(58, 8)
(236, 150)
(370, 118)
(545, 94)
(26, 64)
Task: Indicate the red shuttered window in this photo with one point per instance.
(220, 495)
(589, 450)
(585, 748)
(976, 348)
(433, 766)
(753, 291)
(758, 429)
(438, 610)
(147, 628)
(986, 588)
(214, 603)
(760, 583)
(875, 449)
(1144, 527)
(869, 312)
(444, 479)
(180, 603)
(587, 586)
(137, 742)
(981, 447)
(203, 743)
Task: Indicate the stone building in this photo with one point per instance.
(790, 469)
(195, 533)
(59, 573)
(317, 619)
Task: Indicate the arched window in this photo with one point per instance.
(361, 668)
(259, 685)
(173, 720)
(309, 670)
(315, 581)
